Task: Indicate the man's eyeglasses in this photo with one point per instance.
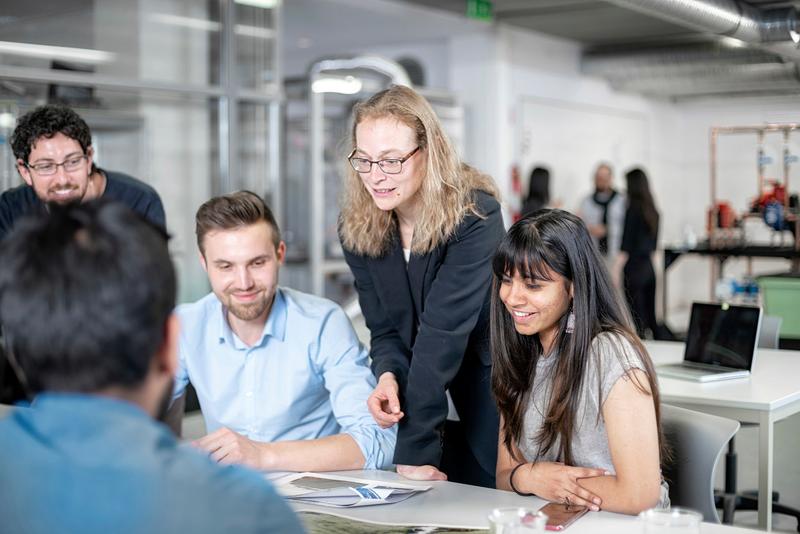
(389, 166)
(47, 168)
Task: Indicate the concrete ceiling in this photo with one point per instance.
(643, 52)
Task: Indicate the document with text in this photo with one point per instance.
(339, 491)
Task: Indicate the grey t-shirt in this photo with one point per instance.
(611, 357)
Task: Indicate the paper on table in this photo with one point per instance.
(338, 491)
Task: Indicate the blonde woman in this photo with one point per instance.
(419, 230)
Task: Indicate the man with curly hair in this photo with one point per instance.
(53, 148)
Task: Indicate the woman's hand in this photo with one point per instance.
(384, 402)
(557, 482)
(420, 472)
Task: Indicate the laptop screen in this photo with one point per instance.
(723, 335)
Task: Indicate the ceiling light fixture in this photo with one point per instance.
(264, 4)
(64, 53)
(349, 85)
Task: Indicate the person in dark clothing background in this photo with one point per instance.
(639, 240)
(53, 149)
(538, 191)
(52, 145)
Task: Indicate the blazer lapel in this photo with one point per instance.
(392, 284)
(417, 267)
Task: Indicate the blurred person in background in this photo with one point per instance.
(538, 191)
(604, 214)
(639, 241)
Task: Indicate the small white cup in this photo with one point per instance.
(516, 521)
(671, 521)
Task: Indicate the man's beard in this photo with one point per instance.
(75, 195)
(249, 311)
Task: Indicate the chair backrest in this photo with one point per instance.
(696, 441)
(770, 335)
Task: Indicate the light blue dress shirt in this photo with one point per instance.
(307, 377)
(95, 464)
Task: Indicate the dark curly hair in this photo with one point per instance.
(47, 121)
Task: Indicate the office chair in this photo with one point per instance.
(731, 500)
(770, 335)
(696, 441)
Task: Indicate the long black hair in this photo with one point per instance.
(538, 190)
(555, 241)
(641, 199)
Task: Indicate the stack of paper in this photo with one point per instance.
(333, 490)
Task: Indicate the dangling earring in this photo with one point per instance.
(570, 322)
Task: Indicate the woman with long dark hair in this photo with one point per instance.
(575, 387)
(538, 191)
(639, 240)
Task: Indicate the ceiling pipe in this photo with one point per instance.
(674, 61)
(721, 17)
(772, 35)
(725, 76)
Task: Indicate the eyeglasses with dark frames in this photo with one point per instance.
(48, 168)
(389, 165)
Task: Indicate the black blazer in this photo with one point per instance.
(429, 325)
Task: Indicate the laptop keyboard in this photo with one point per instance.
(705, 369)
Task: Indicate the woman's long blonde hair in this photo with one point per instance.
(446, 193)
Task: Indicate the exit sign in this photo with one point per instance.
(479, 9)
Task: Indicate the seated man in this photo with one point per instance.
(86, 300)
(281, 376)
(53, 147)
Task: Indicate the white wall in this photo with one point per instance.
(527, 102)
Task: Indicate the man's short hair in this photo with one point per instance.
(233, 211)
(47, 121)
(85, 293)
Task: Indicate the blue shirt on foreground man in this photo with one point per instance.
(86, 299)
(87, 463)
(281, 377)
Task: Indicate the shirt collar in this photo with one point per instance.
(274, 327)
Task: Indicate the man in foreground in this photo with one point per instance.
(86, 300)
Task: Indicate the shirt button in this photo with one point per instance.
(248, 394)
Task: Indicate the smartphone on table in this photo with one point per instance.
(560, 516)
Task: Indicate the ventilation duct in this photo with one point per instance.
(688, 60)
(722, 17)
(735, 79)
(768, 64)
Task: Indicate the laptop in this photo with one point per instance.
(720, 344)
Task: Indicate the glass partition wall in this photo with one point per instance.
(182, 94)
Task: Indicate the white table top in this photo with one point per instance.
(468, 506)
(773, 383)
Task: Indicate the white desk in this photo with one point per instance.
(770, 394)
(468, 506)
